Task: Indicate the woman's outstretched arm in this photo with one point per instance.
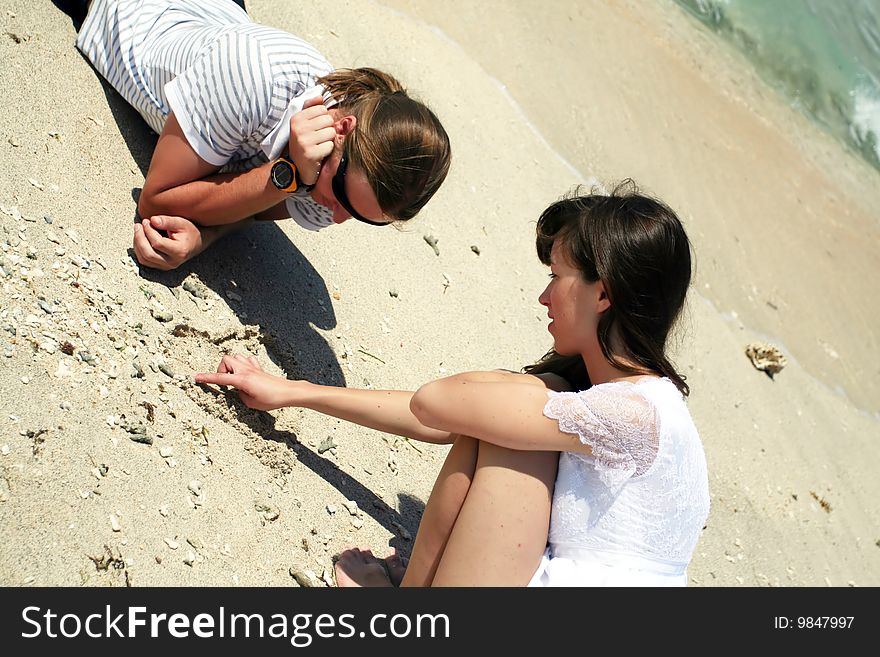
(384, 410)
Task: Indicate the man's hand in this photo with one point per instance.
(311, 138)
(257, 388)
(152, 249)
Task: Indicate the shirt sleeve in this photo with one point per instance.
(308, 214)
(619, 425)
(223, 98)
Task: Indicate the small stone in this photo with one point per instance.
(331, 508)
(352, 507)
(195, 486)
(393, 293)
(404, 534)
(475, 249)
(114, 523)
(195, 287)
(432, 242)
(163, 510)
(25, 380)
(326, 444)
(190, 558)
(158, 559)
(233, 296)
(268, 511)
(305, 578)
(165, 368)
(80, 262)
(161, 315)
(357, 523)
(141, 438)
(170, 542)
(4, 450)
(166, 451)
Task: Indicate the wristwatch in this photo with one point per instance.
(285, 176)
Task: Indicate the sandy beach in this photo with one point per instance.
(117, 470)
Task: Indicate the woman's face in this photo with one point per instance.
(573, 305)
(360, 194)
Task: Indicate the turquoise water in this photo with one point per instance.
(823, 55)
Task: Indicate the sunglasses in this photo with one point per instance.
(338, 185)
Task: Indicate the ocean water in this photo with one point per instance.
(823, 55)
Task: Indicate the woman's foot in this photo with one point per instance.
(396, 566)
(357, 567)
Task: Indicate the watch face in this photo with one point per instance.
(282, 175)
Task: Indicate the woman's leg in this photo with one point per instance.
(441, 511)
(501, 531)
(356, 567)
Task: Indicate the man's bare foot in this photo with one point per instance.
(356, 567)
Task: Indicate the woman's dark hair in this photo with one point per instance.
(399, 143)
(637, 247)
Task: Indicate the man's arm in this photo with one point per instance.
(180, 183)
(181, 241)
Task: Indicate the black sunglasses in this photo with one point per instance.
(338, 185)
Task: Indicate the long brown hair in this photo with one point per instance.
(637, 247)
(398, 143)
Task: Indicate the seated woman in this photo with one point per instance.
(631, 493)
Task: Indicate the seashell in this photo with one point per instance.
(766, 357)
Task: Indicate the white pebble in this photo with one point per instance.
(104, 392)
(25, 380)
(65, 405)
(166, 451)
(170, 542)
(114, 523)
(163, 510)
(4, 450)
(195, 486)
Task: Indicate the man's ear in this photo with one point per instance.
(345, 126)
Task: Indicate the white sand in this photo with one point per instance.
(781, 219)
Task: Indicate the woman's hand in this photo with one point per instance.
(311, 138)
(256, 388)
(152, 249)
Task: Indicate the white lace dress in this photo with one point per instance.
(630, 514)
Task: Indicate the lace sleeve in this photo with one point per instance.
(618, 424)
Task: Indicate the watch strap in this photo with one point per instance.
(299, 182)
